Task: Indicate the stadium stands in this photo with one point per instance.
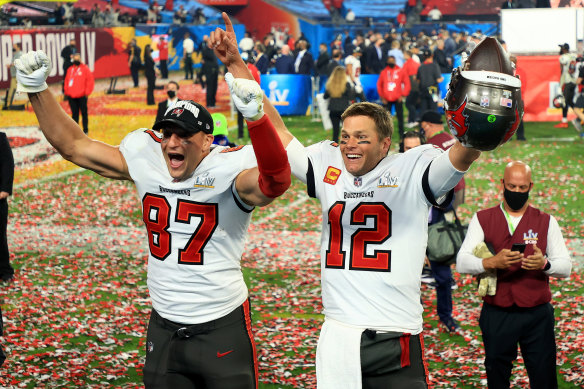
(308, 9)
(463, 7)
(376, 9)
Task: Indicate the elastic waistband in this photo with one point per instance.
(188, 330)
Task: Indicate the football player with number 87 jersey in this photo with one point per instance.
(197, 199)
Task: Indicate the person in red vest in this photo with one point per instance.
(529, 249)
(79, 84)
(393, 85)
(163, 57)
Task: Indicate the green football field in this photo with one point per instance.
(77, 312)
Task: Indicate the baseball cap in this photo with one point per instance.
(565, 46)
(188, 115)
(431, 117)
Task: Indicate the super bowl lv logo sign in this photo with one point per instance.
(332, 175)
(278, 96)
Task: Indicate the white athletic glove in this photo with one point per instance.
(247, 96)
(32, 70)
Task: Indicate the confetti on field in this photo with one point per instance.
(77, 311)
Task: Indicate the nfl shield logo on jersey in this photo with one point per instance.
(357, 181)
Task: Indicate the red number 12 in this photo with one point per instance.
(380, 260)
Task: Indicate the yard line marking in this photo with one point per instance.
(554, 139)
(51, 177)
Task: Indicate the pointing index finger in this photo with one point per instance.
(228, 25)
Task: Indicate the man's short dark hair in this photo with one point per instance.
(379, 115)
(175, 83)
(415, 134)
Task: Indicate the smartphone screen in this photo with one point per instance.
(518, 247)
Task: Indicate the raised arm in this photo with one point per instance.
(462, 157)
(59, 129)
(224, 43)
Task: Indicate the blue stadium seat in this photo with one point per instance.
(311, 9)
(376, 9)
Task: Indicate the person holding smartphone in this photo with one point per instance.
(529, 249)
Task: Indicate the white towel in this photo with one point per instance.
(338, 356)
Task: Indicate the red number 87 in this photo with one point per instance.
(156, 216)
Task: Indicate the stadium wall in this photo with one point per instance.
(102, 49)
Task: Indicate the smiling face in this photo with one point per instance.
(183, 151)
(361, 147)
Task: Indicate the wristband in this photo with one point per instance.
(547, 265)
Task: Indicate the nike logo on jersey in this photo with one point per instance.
(220, 355)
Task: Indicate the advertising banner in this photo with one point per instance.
(540, 84)
(289, 93)
(369, 83)
(102, 49)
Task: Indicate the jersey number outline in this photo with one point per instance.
(193, 253)
(379, 233)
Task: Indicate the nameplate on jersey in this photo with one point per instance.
(388, 181)
(332, 175)
(530, 237)
(204, 181)
(185, 192)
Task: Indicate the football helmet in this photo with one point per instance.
(483, 104)
(559, 101)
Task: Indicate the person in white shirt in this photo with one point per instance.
(197, 201)
(188, 49)
(435, 14)
(353, 65)
(246, 43)
(375, 210)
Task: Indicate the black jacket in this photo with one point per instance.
(339, 104)
(306, 64)
(162, 106)
(322, 63)
(374, 64)
(6, 165)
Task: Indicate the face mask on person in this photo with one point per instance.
(391, 65)
(77, 63)
(515, 200)
(171, 94)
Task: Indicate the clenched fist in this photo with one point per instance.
(32, 70)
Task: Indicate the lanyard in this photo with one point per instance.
(508, 217)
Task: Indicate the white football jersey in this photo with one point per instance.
(356, 68)
(374, 234)
(196, 229)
